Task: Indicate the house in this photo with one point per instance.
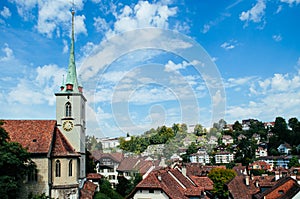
(200, 157)
(284, 148)
(241, 136)
(262, 150)
(196, 169)
(260, 165)
(284, 188)
(212, 140)
(130, 166)
(277, 161)
(57, 147)
(244, 186)
(223, 157)
(107, 164)
(227, 139)
(256, 137)
(109, 143)
(169, 183)
(240, 169)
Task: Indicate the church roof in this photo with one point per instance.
(39, 137)
(34, 135)
(61, 146)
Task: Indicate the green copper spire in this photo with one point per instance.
(72, 76)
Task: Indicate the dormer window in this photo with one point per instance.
(68, 109)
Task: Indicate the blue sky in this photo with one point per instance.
(145, 64)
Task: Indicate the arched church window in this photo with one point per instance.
(70, 168)
(68, 109)
(57, 168)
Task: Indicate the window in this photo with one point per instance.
(33, 175)
(57, 168)
(151, 191)
(68, 109)
(70, 168)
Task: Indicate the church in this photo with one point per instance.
(56, 146)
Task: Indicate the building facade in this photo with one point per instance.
(56, 146)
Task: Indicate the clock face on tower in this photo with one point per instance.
(68, 125)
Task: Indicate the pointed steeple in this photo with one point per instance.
(71, 80)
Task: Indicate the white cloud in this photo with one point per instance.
(255, 14)
(40, 90)
(277, 38)
(229, 45)
(8, 53)
(100, 24)
(52, 15)
(233, 82)
(171, 66)
(291, 2)
(5, 12)
(66, 46)
(279, 9)
(142, 15)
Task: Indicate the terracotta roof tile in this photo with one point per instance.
(172, 182)
(88, 190)
(61, 146)
(34, 135)
(93, 176)
(117, 157)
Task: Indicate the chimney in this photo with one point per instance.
(247, 180)
(256, 183)
(276, 175)
(183, 170)
(159, 177)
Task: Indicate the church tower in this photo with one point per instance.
(70, 109)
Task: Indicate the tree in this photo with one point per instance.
(198, 130)
(294, 162)
(15, 164)
(237, 126)
(106, 192)
(90, 166)
(280, 129)
(220, 177)
(124, 186)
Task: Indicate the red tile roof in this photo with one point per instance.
(93, 176)
(284, 188)
(88, 190)
(117, 157)
(34, 135)
(172, 182)
(61, 146)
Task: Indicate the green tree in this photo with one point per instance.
(90, 165)
(124, 186)
(220, 177)
(198, 130)
(15, 164)
(237, 126)
(294, 162)
(280, 129)
(106, 192)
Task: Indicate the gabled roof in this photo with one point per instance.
(284, 188)
(61, 146)
(117, 157)
(34, 135)
(39, 137)
(172, 182)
